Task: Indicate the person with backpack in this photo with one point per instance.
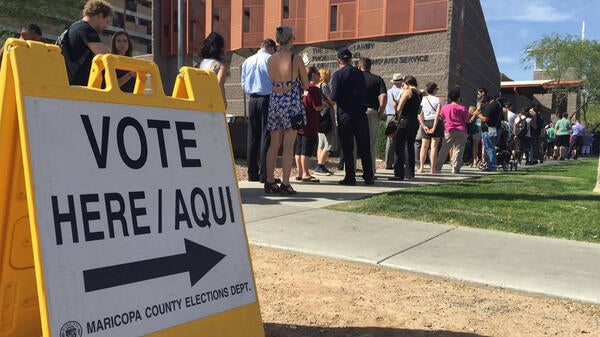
(81, 41)
(522, 134)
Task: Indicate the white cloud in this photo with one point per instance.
(527, 11)
(506, 60)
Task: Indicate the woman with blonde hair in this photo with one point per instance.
(327, 140)
(289, 79)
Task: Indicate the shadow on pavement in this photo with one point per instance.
(289, 330)
(501, 196)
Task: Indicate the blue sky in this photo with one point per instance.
(512, 24)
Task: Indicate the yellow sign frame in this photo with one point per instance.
(36, 69)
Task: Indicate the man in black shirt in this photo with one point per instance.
(84, 39)
(376, 99)
(348, 90)
(490, 130)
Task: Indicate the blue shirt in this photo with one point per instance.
(348, 90)
(578, 130)
(255, 74)
(392, 94)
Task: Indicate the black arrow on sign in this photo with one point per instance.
(197, 260)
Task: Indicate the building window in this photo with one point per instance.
(119, 20)
(286, 9)
(246, 21)
(192, 31)
(216, 15)
(333, 19)
(130, 5)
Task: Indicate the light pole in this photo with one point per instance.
(179, 34)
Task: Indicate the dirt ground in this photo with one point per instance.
(308, 296)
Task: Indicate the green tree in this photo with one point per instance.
(43, 12)
(56, 11)
(567, 56)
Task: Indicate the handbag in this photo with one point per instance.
(325, 124)
(298, 122)
(391, 127)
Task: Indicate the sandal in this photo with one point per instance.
(310, 179)
(286, 189)
(272, 187)
(298, 178)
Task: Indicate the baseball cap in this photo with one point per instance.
(344, 54)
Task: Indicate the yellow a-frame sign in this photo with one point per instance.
(120, 213)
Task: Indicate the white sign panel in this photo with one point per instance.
(138, 214)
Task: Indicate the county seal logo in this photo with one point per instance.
(70, 329)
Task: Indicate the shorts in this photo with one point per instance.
(562, 140)
(326, 141)
(437, 133)
(305, 145)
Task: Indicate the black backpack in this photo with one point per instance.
(72, 66)
(521, 127)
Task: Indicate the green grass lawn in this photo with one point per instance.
(549, 200)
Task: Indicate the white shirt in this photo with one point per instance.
(429, 109)
(511, 119)
(210, 64)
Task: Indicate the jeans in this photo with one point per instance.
(489, 143)
(576, 143)
(534, 151)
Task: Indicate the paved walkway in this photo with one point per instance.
(552, 267)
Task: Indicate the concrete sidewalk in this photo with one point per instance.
(552, 267)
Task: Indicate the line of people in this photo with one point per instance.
(355, 101)
(280, 87)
